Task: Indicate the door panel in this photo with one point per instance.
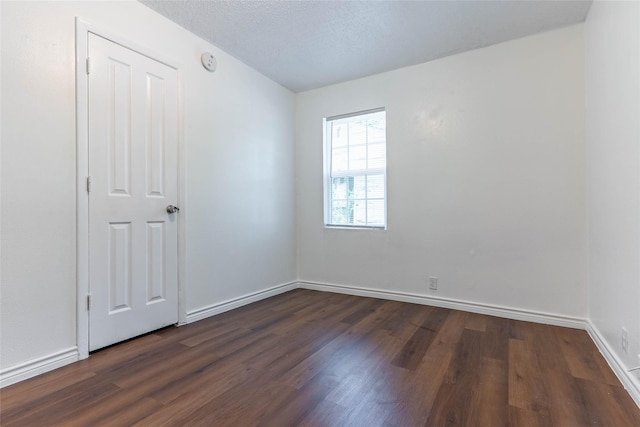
(133, 136)
(155, 137)
(119, 263)
(156, 260)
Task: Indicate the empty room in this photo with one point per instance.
(320, 213)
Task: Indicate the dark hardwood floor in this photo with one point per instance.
(308, 358)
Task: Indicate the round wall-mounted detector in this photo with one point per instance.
(208, 61)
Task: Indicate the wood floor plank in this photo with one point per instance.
(583, 359)
(326, 413)
(136, 345)
(365, 308)
(420, 388)
(625, 403)
(526, 388)
(405, 316)
(27, 392)
(292, 411)
(489, 399)
(476, 322)
(602, 406)
(216, 379)
(56, 407)
(123, 409)
(320, 359)
(417, 345)
(305, 349)
(140, 362)
(525, 418)
(177, 413)
(566, 405)
(455, 393)
(386, 396)
(362, 370)
(215, 373)
(332, 352)
(216, 332)
(495, 339)
(244, 404)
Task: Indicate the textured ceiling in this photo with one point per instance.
(309, 44)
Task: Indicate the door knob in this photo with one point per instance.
(172, 209)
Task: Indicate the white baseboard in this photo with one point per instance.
(212, 310)
(491, 310)
(38, 366)
(628, 379)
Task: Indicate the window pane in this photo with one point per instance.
(339, 160)
(375, 186)
(339, 134)
(357, 132)
(376, 130)
(359, 187)
(357, 157)
(375, 212)
(339, 188)
(339, 212)
(359, 212)
(377, 156)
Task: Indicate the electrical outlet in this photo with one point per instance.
(625, 340)
(433, 283)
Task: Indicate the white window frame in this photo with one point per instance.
(327, 181)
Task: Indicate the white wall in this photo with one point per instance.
(238, 135)
(485, 178)
(612, 40)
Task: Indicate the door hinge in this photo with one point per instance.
(89, 302)
(88, 66)
(88, 184)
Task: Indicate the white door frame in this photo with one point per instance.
(82, 172)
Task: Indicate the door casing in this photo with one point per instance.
(82, 172)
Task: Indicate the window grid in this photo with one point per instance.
(348, 193)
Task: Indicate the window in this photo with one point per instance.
(355, 170)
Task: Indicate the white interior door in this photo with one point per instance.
(133, 137)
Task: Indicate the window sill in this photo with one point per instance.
(355, 227)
